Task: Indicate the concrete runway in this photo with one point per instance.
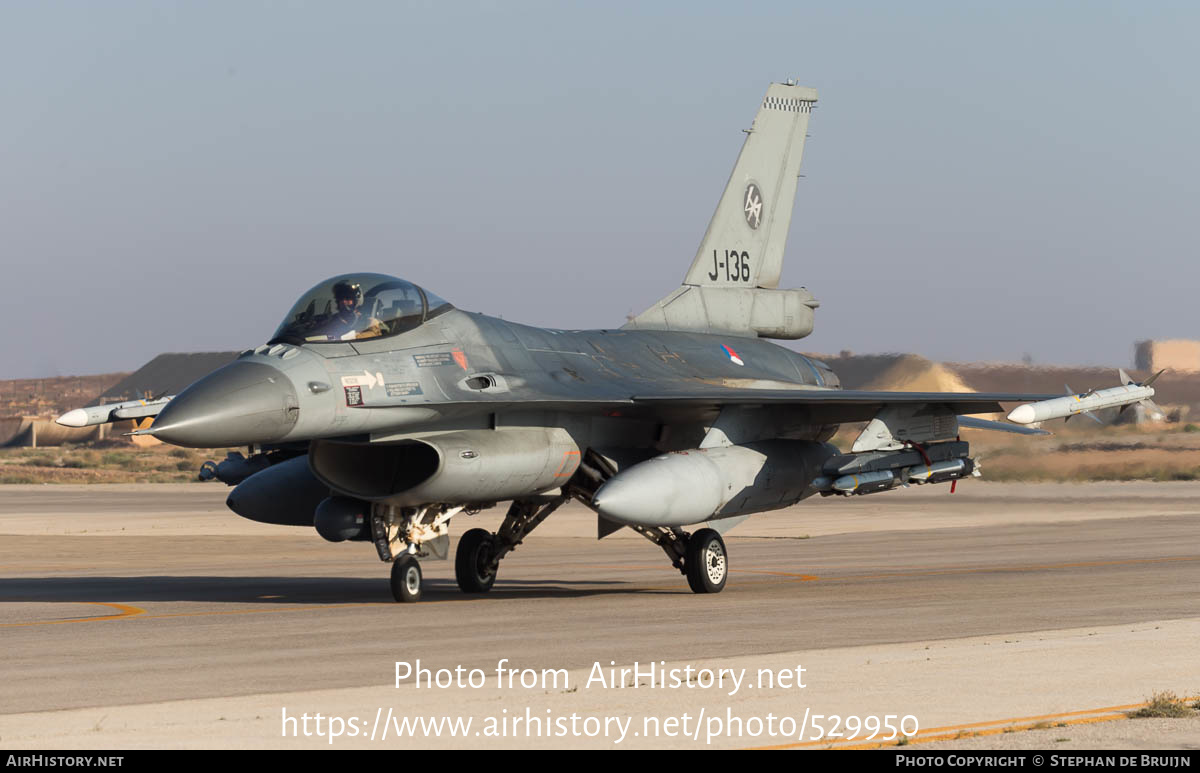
(150, 615)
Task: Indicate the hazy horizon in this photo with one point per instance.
(981, 183)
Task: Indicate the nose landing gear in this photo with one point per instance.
(406, 579)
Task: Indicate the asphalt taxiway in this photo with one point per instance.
(151, 616)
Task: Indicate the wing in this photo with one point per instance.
(701, 402)
(840, 405)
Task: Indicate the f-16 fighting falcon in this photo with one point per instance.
(379, 412)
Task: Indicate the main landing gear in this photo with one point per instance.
(479, 552)
(707, 564)
(475, 562)
(397, 531)
(700, 557)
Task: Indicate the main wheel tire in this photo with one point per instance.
(406, 579)
(707, 562)
(473, 561)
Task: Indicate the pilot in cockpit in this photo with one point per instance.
(348, 323)
(354, 307)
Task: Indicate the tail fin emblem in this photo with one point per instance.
(753, 207)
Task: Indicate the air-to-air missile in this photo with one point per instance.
(103, 414)
(1065, 407)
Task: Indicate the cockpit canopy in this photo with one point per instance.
(355, 307)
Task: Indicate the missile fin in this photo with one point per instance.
(1153, 409)
(1151, 380)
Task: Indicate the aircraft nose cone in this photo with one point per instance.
(241, 404)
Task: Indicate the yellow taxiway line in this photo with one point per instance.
(980, 729)
(124, 611)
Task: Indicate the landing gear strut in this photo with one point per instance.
(477, 558)
(700, 557)
(401, 534)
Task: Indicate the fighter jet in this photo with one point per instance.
(379, 412)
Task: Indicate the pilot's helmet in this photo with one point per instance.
(345, 291)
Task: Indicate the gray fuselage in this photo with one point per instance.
(462, 370)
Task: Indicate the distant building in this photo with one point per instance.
(166, 374)
(1177, 355)
(32, 403)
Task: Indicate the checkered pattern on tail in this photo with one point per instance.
(788, 105)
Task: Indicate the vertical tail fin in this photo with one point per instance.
(731, 287)
(743, 246)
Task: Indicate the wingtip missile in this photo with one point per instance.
(86, 417)
(103, 414)
(1123, 396)
(75, 418)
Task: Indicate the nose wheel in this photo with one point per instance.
(406, 579)
(707, 563)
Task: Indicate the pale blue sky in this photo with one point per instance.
(982, 181)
